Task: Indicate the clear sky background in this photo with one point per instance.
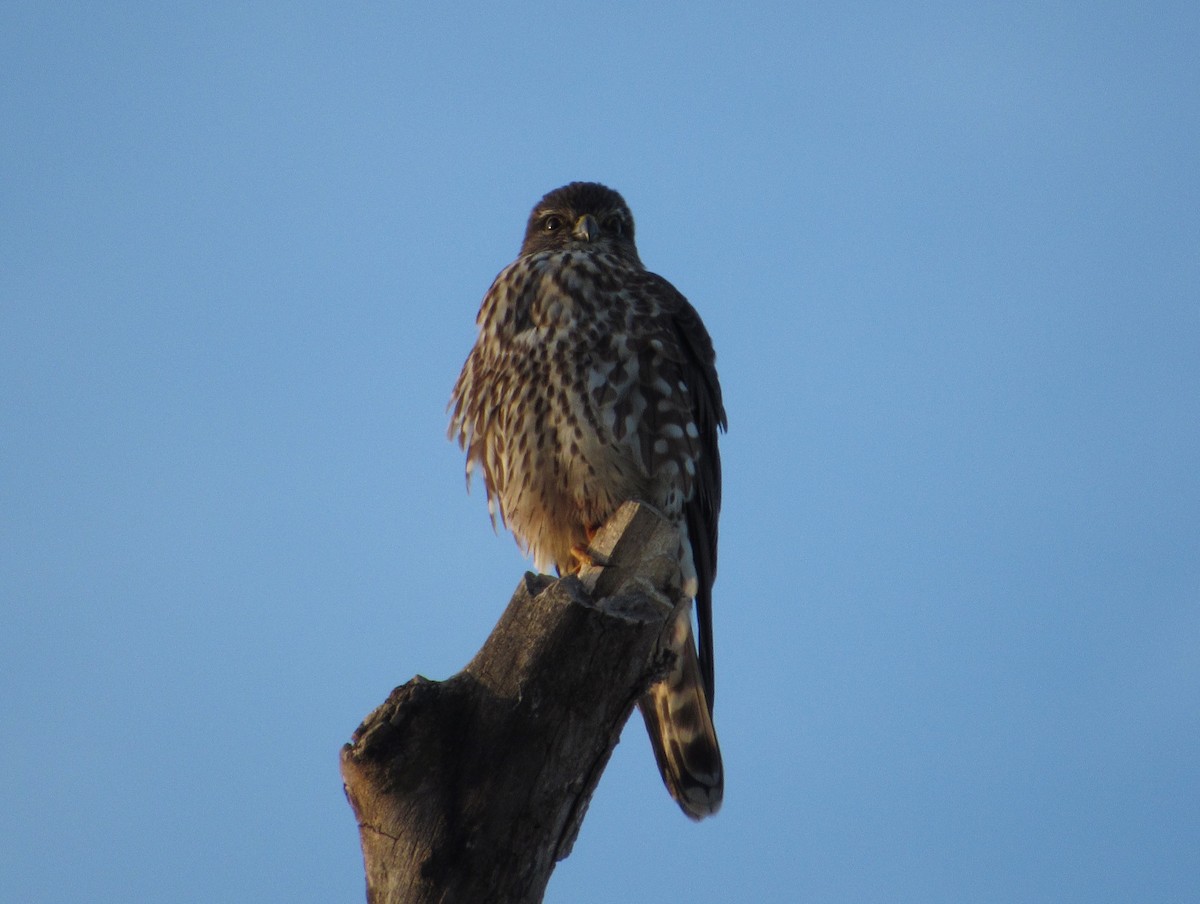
(950, 258)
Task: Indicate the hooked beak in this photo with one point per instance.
(586, 228)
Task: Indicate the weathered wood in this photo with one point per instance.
(471, 789)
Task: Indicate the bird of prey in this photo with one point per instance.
(592, 382)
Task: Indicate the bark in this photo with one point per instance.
(473, 788)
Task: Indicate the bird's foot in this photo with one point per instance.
(585, 556)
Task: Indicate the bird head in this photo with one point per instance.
(583, 215)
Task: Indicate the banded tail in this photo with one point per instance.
(681, 730)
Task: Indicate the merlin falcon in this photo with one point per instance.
(592, 382)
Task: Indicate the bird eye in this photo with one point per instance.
(614, 224)
(552, 223)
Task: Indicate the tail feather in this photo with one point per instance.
(682, 734)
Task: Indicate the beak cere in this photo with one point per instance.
(586, 228)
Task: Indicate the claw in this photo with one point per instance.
(585, 556)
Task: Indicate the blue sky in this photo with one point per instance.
(950, 258)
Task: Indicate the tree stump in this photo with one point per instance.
(473, 788)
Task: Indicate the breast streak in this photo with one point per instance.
(578, 430)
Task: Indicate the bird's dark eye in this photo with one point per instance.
(614, 225)
(552, 223)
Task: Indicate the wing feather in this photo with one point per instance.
(698, 363)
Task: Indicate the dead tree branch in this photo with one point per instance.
(471, 789)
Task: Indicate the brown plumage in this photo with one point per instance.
(592, 382)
